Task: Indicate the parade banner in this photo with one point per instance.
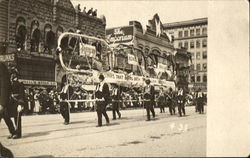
(37, 82)
(162, 66)
(87, 50)
(120, 34)
(132, 59)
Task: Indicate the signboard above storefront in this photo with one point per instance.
(36, 82)
(7, 58)
(87, 50)
(120, 34)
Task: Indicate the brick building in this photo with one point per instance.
(28, 36)
(192, 34)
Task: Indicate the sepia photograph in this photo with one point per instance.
(112, 78)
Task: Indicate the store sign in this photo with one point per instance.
(7, 58)
(132, 59)
(36, 82)
(87, 50)
(120, 34)
(162, 66)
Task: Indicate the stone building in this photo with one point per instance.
(29, 30)
(192, 35)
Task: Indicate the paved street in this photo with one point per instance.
(46, 136)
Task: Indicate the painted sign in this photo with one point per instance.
(7, 57)
(132, 59)
(120, 34)
(37, 82)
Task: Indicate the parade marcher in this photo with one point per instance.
(161, 100)
(149, 96)
(32, 101)
(15, 106)
(116, 96)
(181, 102)
(64, 106)
(171, 101)
(102, 92)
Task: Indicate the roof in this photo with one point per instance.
(186, 23)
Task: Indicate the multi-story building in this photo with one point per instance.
(192, 35)
(29, 31)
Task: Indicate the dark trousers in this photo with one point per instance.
(18, 123)
(101, 110)
(201, 108)
(115, 109)
(171, 108)
(64, 109)
(181, 109)
(162, 108)
(32, 105)
(149, 107)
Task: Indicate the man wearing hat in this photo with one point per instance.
(149, 96)
(102, 92)
(116, 96)
(181, 102)
(15, 106)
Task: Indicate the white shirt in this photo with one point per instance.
(100, 86)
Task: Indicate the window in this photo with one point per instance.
(192, 79)
(192, 32)
(205, 78)
(186, 45)
(204, 31)
(198, 55)
(198, 32)
(21, 33)
(204, 43)
(35, 36)
(192, 44)
(204, 55)
(192, 67)
(205, 66)
(186, 33)
(198, 44)
(198, 67)
(192, 54)
(180, 44)
(180, 34)
(198, 78)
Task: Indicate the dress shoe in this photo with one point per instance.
(66, 123)
(148, 120)
(16, 137)
(98, 125)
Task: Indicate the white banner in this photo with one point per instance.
(87, 50)
(36, 82)
(132, 59)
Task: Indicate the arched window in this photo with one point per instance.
(49, 38)
(21, 33)
(35, 36)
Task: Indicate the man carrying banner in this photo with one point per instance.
(149, 96)
(102, 92)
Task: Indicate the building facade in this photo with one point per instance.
(192, 35)
(29, 31)
(153, 51)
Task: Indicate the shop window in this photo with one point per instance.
(198, 78)
(192, 32)
(192, 44)
(204, 55)
(204, 43)
(204, 31)
(198, 44)
(205, 78)
(186, 33)
(35, 36)
(21, 33)
(198, 32)
(180, 44)
(192, 79)
(198, 55)
(180, 34)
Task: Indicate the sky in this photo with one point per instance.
(119, 13)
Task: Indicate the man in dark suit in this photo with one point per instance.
(64, 106)
(181, 102)
(116, 96)
(102, 92)
(15, 106)
(149, 96)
